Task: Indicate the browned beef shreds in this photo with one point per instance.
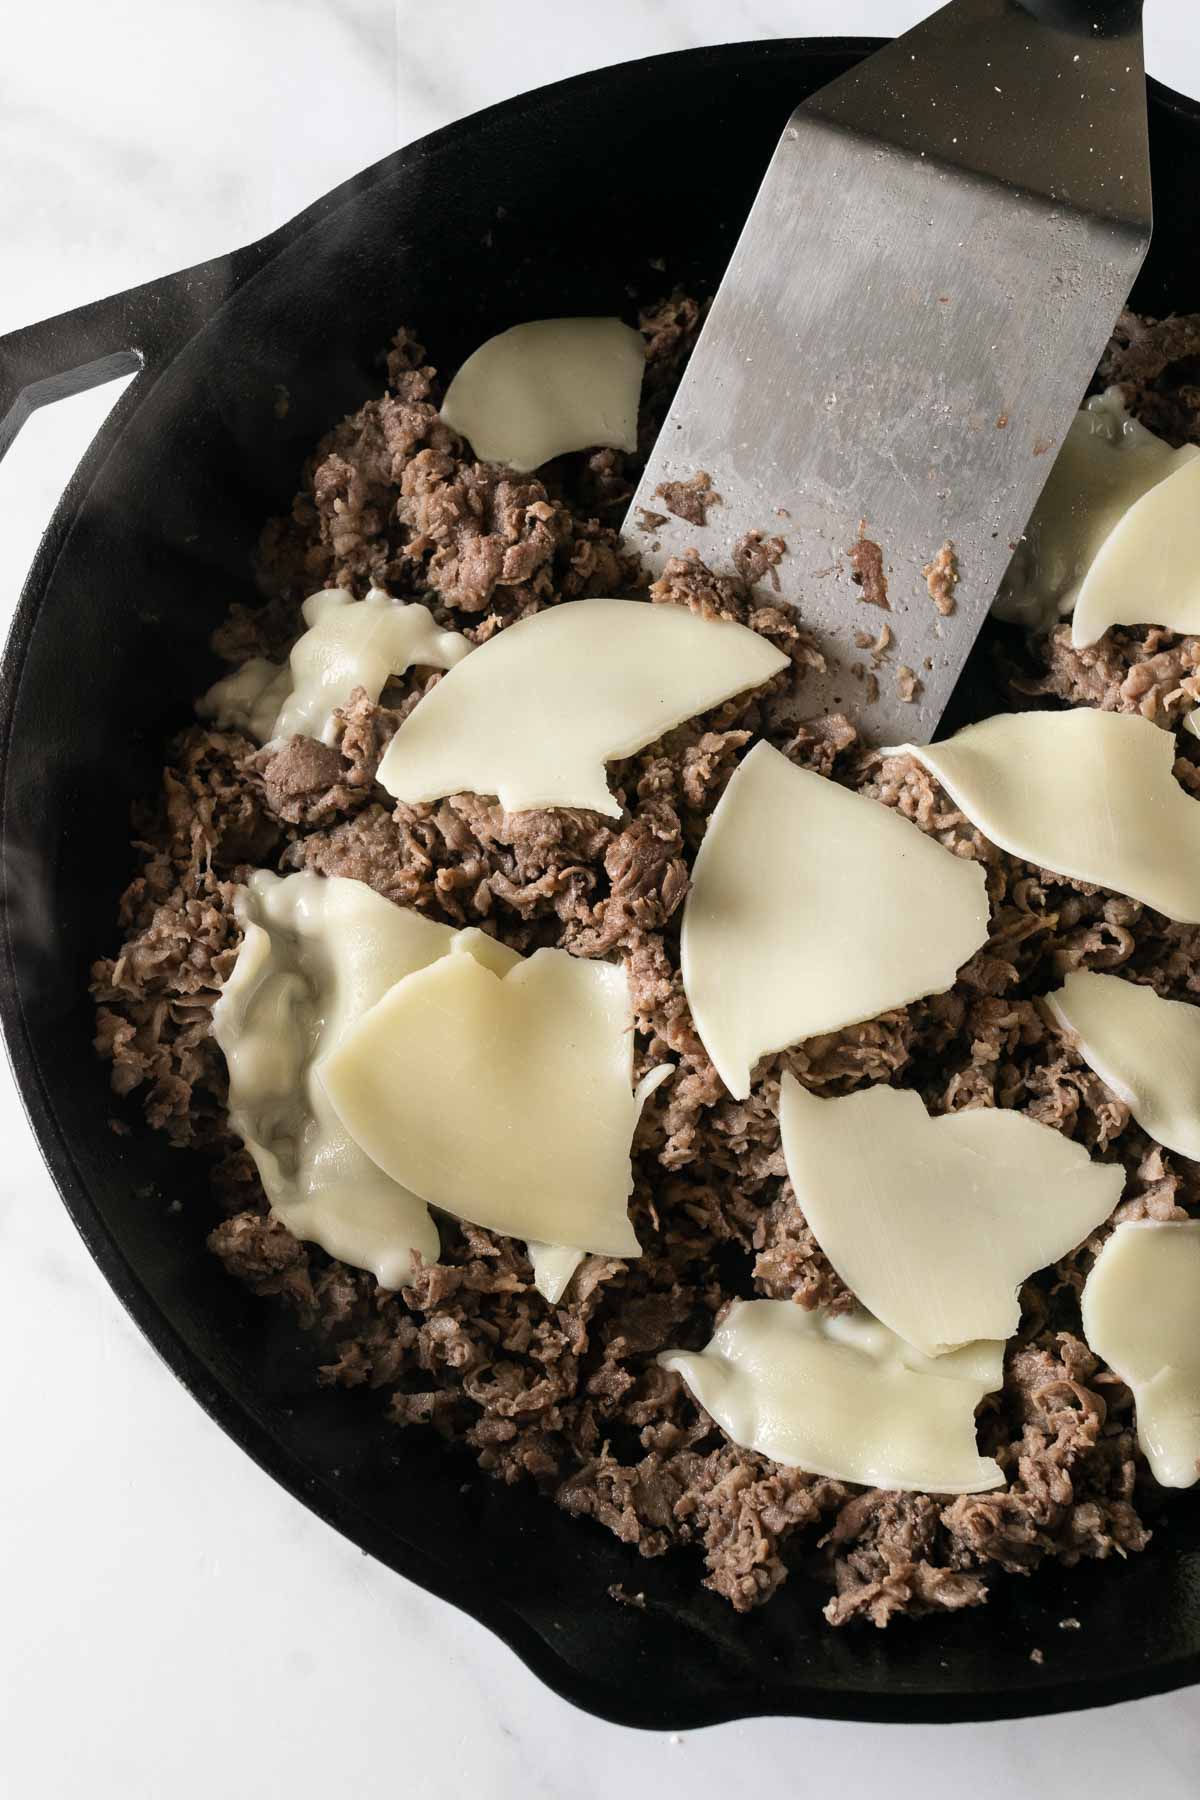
(570, 1396)
(941, 579)
(866, 564)
(689, 499)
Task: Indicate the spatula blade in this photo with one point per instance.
(902, 338)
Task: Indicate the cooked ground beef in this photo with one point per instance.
(941, 579)
(689, 499)
(570, 1396)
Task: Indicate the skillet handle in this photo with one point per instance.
(139, 329)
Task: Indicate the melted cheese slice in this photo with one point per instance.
(1146, 1048)
(812, 908)
(1107, 463)
(349, 644)
(933, 1223)
(545, 388)
(840, 1395)
(1147, 571)
(537, 711)
(1086, 794)
(317, 953)
(1141, 1305)
(501, 1095)
(248, 699)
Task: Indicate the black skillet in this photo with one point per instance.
(566, 200)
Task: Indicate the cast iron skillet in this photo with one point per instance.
(552, 203)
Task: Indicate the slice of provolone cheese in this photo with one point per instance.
(840, 1395)
(1107, 462)
(550, 386)
(1086, 794)
(349, 644)
(536, 712)
(503, 1097)
(317, 953)
(812, 908)
(1141, 1304)
(1146, 1048)
(1147, 572)
(933, 1223)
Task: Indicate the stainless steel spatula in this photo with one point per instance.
(935, 260)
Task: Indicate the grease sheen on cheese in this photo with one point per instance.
(534, 714)
(1084, 793)
(318, 951)
(1107, 463)
(812, 908)
(502, 1096)
(840, 1395)
(548, 387)
(933, 1223)
(1146, 1048)
(1140, 1307)
(349, 644)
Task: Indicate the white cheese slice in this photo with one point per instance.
(1107, 462)
(1086, 794)
(1147, 571)
(317, 953)
(1141, 1306)
(502, 1097)
(840, 1395)
(537, 711)
(1146, 1048)
(933, 1223)
(349, 644)
(812, 908)
(547, 387)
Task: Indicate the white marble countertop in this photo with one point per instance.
(173, 1623)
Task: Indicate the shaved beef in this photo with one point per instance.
(570, 1397)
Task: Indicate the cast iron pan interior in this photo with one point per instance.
(553, 203)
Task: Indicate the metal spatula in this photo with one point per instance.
(933, 264)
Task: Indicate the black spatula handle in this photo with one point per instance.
(1091, 18)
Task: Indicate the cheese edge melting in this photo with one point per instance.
(271, 1020)
(347, 644)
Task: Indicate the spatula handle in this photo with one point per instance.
(1091, 18)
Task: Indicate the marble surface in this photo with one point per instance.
(173, 1624)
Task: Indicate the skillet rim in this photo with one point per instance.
(625, 1707)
